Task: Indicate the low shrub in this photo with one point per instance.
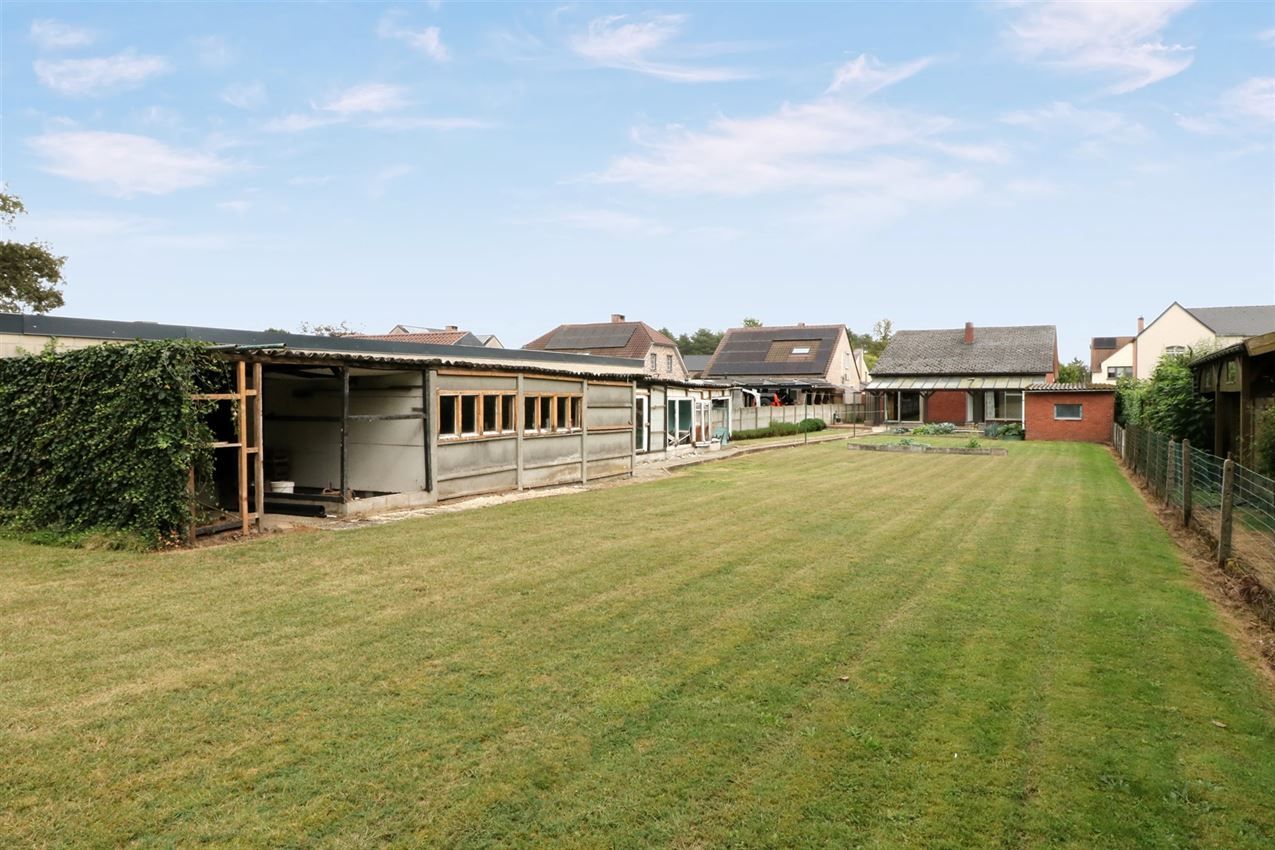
(780, 429)
(934, 429)
(972, 443)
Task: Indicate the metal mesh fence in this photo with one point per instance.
(1174, 476)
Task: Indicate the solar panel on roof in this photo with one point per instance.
(609, 336)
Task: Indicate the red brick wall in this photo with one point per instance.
(1095, 426)
(946, 406)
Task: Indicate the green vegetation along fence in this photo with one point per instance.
(1232, 506)
(104, 439)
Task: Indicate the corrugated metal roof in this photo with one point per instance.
(1071, 388)
(953, 382)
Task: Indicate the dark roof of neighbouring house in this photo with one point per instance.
(1015, 350)
(696, 362)
(349, 347)
(614, 339)
(766, 351)
(1236, 321)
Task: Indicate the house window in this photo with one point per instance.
(909, 407)
(1068, 411)
(655, 362)
(1175, 350)
(1013, 406)
(668, 363)
(1116, 372)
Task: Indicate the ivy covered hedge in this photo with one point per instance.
(104, 438)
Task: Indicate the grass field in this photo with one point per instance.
(808, 647)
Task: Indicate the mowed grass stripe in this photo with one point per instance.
(650, 665)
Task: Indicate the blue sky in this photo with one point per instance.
(507, 167)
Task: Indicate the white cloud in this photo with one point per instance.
(1252, 99)
(1122, 39)
(99, 75)
(321, 180)
(235, 207)
(247, 96)
(1267, 36)
(1062, 117)
(124, 164)
(1247, 106)
(865, 74)
(618, 42)
(48, 34)
(372, 97)
(844, 158)
(427, 40)
(369, 106)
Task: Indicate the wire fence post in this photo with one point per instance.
(1224, 520)
(1186, 483)
(1169, 477)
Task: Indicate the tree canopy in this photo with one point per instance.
(1075, 372)
(30, 273)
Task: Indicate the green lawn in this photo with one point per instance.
(808, 647)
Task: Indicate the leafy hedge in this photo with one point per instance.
(104, 438)
(780, 429)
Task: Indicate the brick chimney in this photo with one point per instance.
(617, 318)
(969, 333)
(801, 324)
(451, 328)
(1141, 324)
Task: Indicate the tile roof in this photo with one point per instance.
(427, 338)
(1236, 321)
(775, 351)
(614, 339)
(1014, 350)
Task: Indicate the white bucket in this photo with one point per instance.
(282, 486)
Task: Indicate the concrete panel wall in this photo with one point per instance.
(477, 383)
(743, 418)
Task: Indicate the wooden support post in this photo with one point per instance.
(345, 434)
(1186, 482)
(584, 430)
(427, 428)
(1228, 507)
(241, 388)
(194, 508)
(259, 440)
(633, 426)
(521, 427)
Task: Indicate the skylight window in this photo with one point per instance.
(805, 349)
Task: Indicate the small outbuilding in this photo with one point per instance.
(1076, 412)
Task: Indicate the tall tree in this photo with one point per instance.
(750, 322)
(325, 329)
(30, 273)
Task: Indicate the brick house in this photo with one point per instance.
(975, 375)
(1075, 412)
(617, 338)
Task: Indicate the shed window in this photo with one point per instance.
(447, 416)
(469, 414)
(491, 414)
(546, 414)
(509, 413)
(1068, 411)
